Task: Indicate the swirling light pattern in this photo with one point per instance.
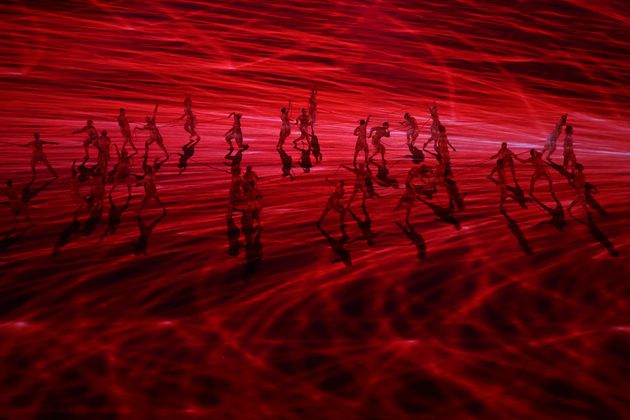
(476, 328)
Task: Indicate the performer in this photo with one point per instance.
(92, 136)
(39, 156)
(125, 130)
(550, 145)
(376, 134)
(412, 129)
(191, 121)
(285, 129)
(361, 145)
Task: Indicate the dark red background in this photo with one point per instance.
(478, 328)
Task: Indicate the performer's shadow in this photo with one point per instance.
(415, 238)
(518, 233)
(339, 246)
(598, 234)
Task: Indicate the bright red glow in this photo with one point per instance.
(477, 328)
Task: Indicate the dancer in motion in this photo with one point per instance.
(18, 207)
(125, 130)
(148, 182)
(407, 200)
(188, 150)
(154, 134)
(443, 145)
(507, 158)
(191, 121)
(250, 179)
(303, 122)
(435, 123)
(236, 195)
(550, 145)
(499, 169)
(569, 154)
(121, 173)
(312, 107)
(235, 133)
(335, 203)
(579, 184)
(103, 144)
(39, 156)
(362, 183)
(540, 169)
(412, 129)
(361, 145)
(92, 136)
(376, 134)
(285, 129)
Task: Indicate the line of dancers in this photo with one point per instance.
(425, 183)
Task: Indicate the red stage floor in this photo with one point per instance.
(477, 327)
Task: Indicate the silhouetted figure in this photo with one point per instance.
(92, 136)
(376, 134)
(287, 164)
(407, 200)
(18, 207)
(125, 130)
(412, 129)
(305, 159)
(417, 155)
(304, 123)
(191, 121)
(505, 190)
(122, 170)
(435, 126)
(540, 169)
(148, 182)
(569, 153)
(441, 144)
(250, 179)
(312, 107)
(78, 199)
(103, 143)
(253, 249)
(556, 213)
(365, 226)
(362, 182)
(421, 178)
(38, 155)
(361, 144)
(154, 134)
(518, 234)
(335, 203)
(235, 133)
(188, 150)
(115, 215)
(579, 184)
(550, 145)
(142, 244)
(236, 192)
(233, 234)
(285, 128)
(415, 238)
(315, 148)
(382, 176)
(95, 214)
(508, 157)
(338, 245)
